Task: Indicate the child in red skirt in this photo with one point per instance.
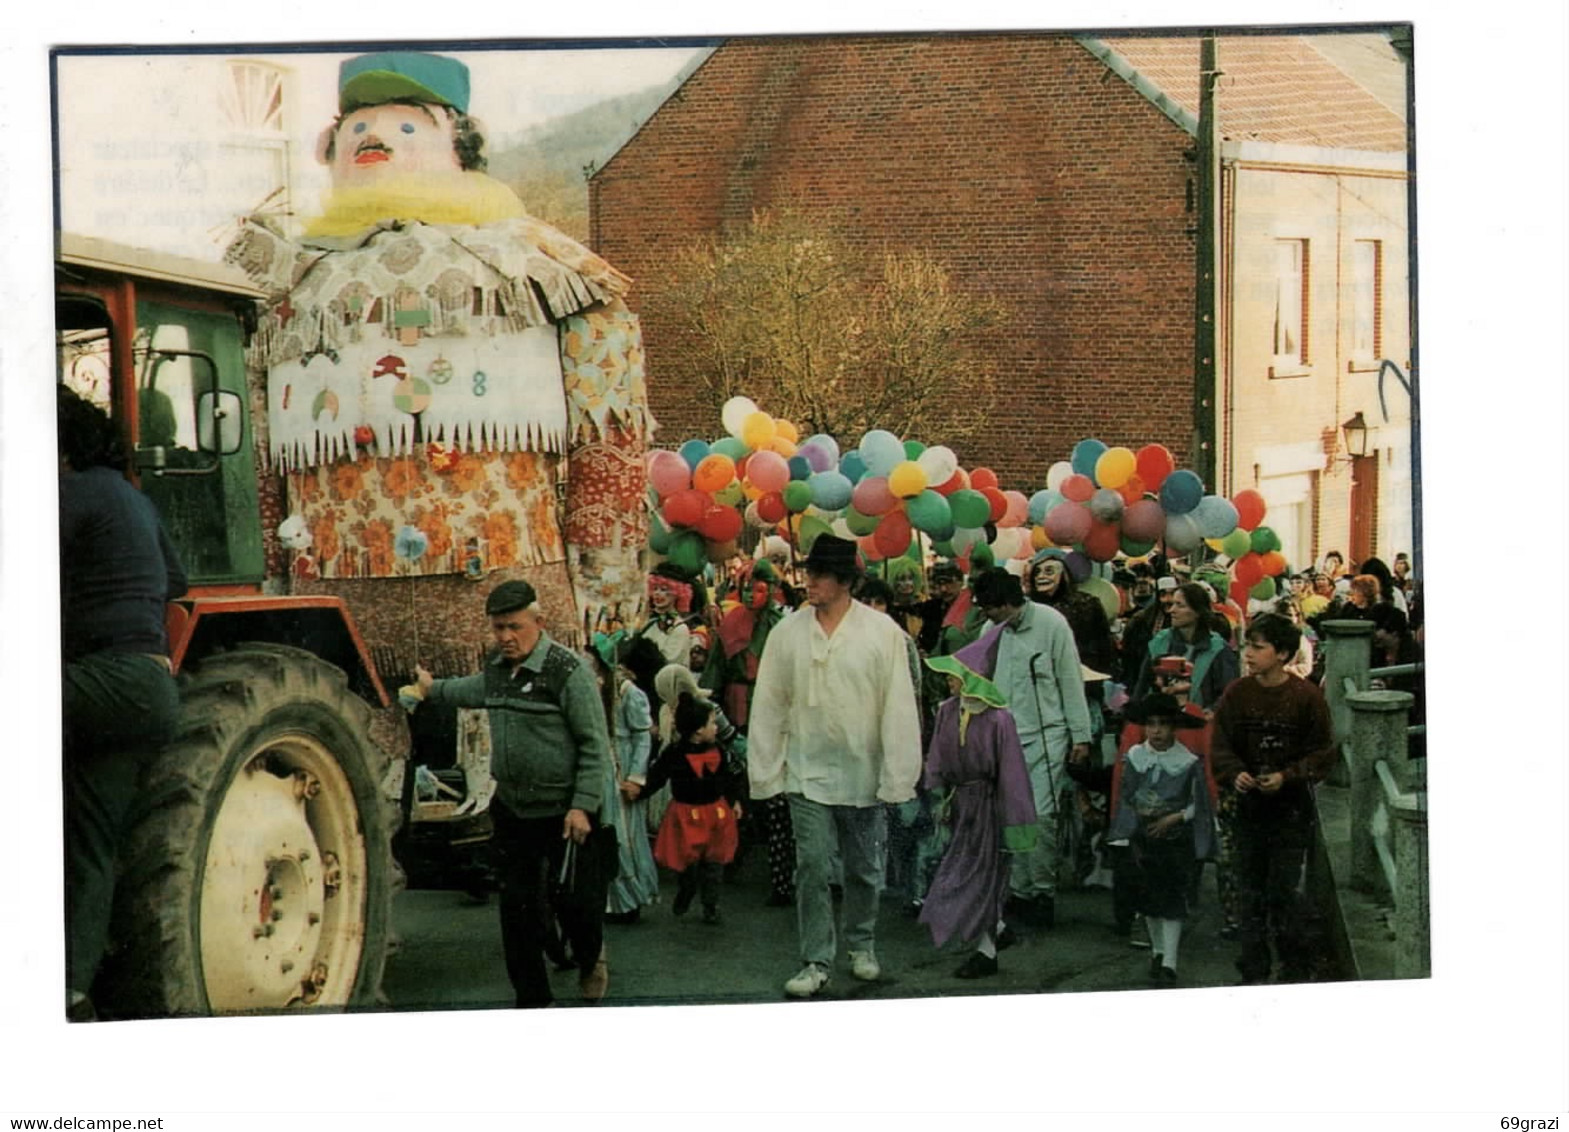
(697, 838)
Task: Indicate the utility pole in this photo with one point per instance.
(1204, 305)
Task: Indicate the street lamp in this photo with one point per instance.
(1355, 431)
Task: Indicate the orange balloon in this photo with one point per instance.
(713, 472)
(787, 430)
(983, 478)
(1132, 489)
(1274, 563)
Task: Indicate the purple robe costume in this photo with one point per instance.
(991, 801)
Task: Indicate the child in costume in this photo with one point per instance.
(631, 725)
(698, 835)
(1163, 816)
(975, 756)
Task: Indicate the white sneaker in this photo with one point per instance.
(863, 965)
(811, 979)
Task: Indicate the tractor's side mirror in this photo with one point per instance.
(220, 427)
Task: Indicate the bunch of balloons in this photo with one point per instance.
(1105, 500)
(1254, 550)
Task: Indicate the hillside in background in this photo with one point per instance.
(548, 166)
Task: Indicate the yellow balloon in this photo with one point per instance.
(907, 480)
(1215, 544)
(758, 430)
(1038, 539)
(1114, 467)
(751, 490)
(782, 446)
(787, 430)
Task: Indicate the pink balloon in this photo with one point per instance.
(1068, 523)
(1077, 488)
(1018, 509)
(872, 497)
(668, 472)
(768, 471)
(1144, 521)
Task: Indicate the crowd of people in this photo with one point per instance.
(964, 741)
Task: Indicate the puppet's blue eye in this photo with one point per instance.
(408, 127)
(359, 127)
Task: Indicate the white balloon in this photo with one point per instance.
(1058, 472)
(939, 463)
(733, 415)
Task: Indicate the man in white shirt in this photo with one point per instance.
(835, 728)
(1030, 655)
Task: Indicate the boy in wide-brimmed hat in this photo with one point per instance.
(1164, 819)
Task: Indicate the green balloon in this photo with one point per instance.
(1264, 540)
(970, 508)
(730, 446)
(1133, 548)
(797, 496)
(914, 553)
(913, 449)
(942, 548)
(730, 495)
(1237, 543)
(1264, 591)
(929, 512)
(658, 536)
(860, 524)
(687, 551)
(981, 556)
(811, 527)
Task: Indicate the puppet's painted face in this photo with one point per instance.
(395, 139)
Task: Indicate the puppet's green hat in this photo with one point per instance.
(976, 686)
(402, 76)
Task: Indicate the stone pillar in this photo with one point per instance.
(1378, 731)
(1348, 652)
(1408, 825)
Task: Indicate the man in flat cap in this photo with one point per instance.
(835, 729)
(549, 747)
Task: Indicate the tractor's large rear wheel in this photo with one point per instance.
(258, 875)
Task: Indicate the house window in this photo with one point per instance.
(253, 100)
(1367, 298)
(1291, 309)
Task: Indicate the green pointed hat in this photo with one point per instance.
(402, 76)
(976, 686)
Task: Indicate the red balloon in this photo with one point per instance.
(868, 545)
(1250, 508)
(959, 479)
(892, 536)
(1153, 463)
(1132, 489)
(997, 499)
(1239, 593)
(771, 507)
(1274, 563)
(1249, 569)
(685, 508)
(983, 478)
(1077, 488)
(1104, 540)
(720, 524)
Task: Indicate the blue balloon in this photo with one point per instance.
(731, 447)
(1085, 454)
(1216, 516)
(852, 467)
(1040, 503)
(1182, 533)
(693, 452)
(830, 490)
(881, 451)
(1181, 492)
(800, 469)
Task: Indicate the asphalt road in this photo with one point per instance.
(450, 953)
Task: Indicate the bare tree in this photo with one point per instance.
(833, 336)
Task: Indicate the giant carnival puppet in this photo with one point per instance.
(454, 389)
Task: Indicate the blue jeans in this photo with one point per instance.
(858, 832)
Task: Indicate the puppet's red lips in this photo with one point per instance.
(372, 156)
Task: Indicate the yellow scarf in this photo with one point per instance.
(459, 197)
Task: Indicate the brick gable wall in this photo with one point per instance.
(1019, 161)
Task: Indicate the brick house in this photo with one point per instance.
(1057, 173)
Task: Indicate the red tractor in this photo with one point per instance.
(258, 875)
